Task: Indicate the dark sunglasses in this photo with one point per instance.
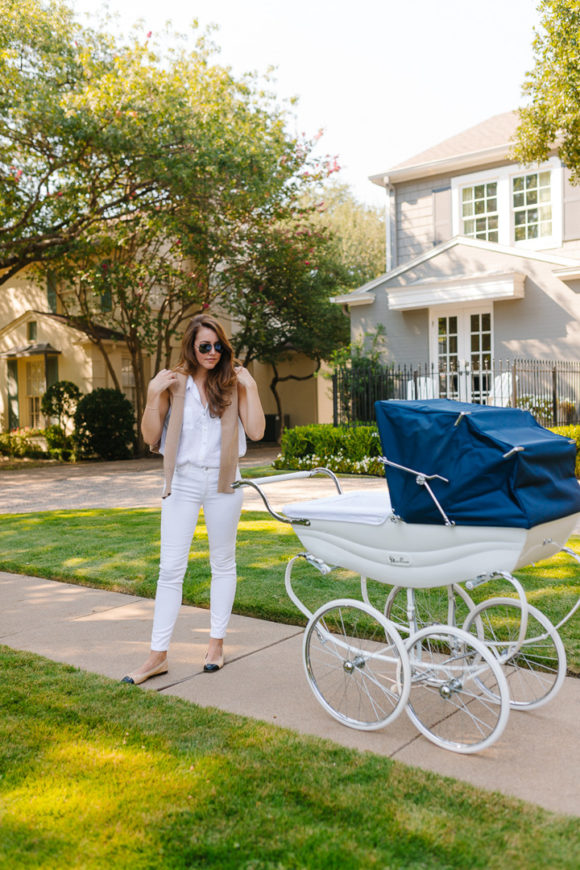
(206, 346)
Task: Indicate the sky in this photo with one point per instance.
(384, 79)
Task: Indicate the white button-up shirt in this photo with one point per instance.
(200, 440)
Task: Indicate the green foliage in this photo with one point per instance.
(19, 444)
(572, 432)
(357, 232)
(551, 118)
(60, 444)
(60, 401)
(104, 425)
(343, 449)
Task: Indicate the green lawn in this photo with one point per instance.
(96, 774)
(119, 550)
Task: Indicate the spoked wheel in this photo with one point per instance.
(412, 609)
(356, 664)
(535, 663)
(459, 696)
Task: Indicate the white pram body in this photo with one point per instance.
(360, 532)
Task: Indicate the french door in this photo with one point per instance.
(460, 348)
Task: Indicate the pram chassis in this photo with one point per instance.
(366, 665)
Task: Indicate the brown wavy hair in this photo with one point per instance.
(221, 380)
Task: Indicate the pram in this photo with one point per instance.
(474, 493)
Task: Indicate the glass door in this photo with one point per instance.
(461, 341)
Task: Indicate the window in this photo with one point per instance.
(35, 389)
(51, 294)
(509, 206)
(128, 379)
(479, 211)
(31, 330)
(531, 196)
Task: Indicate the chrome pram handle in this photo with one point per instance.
(259, 482)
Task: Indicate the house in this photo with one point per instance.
(39, 347)
(483, 262)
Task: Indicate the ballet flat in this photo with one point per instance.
(140, 678)
(212, 667)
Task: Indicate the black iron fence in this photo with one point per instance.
(549, 389)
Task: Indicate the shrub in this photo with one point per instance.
(343, 449)
(60, 402)
(19, 443)
(572, 432)
(60, 445)
(104, 425)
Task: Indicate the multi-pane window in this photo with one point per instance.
(35, 389)
(480, 354)
(479, 211)
(532, 205)
(128, 379)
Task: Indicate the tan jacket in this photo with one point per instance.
(229, 438)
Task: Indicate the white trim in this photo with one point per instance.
(444, 164)
(455, 291)
(504, 175)
(352, 300)
(495, 247)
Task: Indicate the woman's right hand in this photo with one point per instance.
(162, 381)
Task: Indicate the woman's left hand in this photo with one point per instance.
(244, 377)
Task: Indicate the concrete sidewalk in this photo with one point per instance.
(536, 758)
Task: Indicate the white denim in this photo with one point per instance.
(195, 487)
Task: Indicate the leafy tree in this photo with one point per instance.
(94, 131)
(60, 401)
(357, 231)
(280, 298)
(553, 115)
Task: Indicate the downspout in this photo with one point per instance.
(391, 224)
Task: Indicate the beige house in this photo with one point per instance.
(37, 348)
(483, 258)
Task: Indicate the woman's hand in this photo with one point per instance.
(244, 377)
(250, 407)
(161, 382)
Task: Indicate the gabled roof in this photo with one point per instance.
(484, 143)
(364, 295)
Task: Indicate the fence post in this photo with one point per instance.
(335, 399)
(554, 396)
(514, 385)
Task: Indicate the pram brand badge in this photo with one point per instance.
(398, 559)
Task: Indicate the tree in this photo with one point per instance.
(280, 299)
(553, 116)
(357, 231)
(139, 178)
(94, 131)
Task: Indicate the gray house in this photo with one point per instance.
(483, 266)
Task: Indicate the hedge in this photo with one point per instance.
(353, 450)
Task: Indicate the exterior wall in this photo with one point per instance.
(415, 218)
(544, 324)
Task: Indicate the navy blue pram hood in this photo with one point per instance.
(467, 444)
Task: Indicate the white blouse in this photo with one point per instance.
(200, 439)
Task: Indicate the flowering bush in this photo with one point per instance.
(346, 450)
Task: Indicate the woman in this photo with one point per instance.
(198, 415)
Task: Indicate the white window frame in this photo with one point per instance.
(504, 175)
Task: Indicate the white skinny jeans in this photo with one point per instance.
(192, 488)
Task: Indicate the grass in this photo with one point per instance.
(96, 774)
(118, 550)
